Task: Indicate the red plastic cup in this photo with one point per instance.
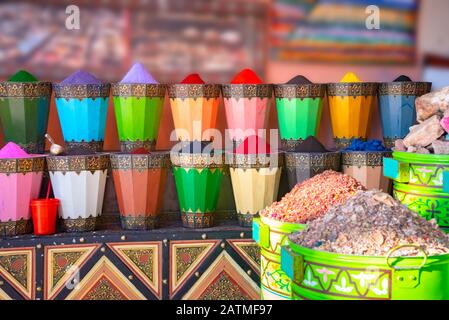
(44, 213)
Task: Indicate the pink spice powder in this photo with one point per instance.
(12, 150)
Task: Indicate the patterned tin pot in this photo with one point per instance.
(21, 182)
(247, 107)
(139, 181)
(198, 179)
(420, 174)
(138, 110)
(367, 168)
(318, 275)
(79, 183)
(397, 108)
(351, 106)
(24, 110)
(194, 108)
(270, 235)
(301, 166)
(299, 108)
(82, 111)
(255, 182)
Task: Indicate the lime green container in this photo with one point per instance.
(318, 275)
(138, 110)
(421, 181)
(299, 108)
(270, 235)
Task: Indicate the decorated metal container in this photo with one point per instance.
(194, 108)
(318, 275)
(139, 181)
(421, 181)
(301, 166)
(270, 235)
(247, 108)
(367, 168)
(138, 110)
(198, 176)
(20, 180)
(82, 110)
(255, 182)
(78, 182)
(397, 108)
(299, 108)
(351, 105)
(24, 109)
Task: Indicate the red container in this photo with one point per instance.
(44, 213)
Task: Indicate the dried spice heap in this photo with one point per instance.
(312, 198)
(370, 224)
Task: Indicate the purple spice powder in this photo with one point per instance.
(80, 77)
(138, 74)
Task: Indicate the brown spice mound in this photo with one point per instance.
(312, 198)
(370, 224)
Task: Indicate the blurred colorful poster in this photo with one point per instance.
(336, 31)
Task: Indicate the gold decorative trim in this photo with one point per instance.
(82, 91)
(247, 91)
(342, 143)
(25, 89)
(197, 160)
(78, 163)
(302, 91)
(352, 89)
(364, 158)
(290, 144)
(33, 147)
(194, 91)
(34, 164)
(255, 161)
(329, 160)
(404, 88)
(138, 222)
(15, 228)
(138, 90)
(154, 160)
(79, 224)
(83, 147)
(389, 141)
(246, 219)
(130, 146)
(197, 220)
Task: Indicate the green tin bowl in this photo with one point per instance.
(318, 275)
(270, 235)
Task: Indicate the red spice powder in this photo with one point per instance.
(140, 151)
(253, 145)
(193, 78)
(246, 76)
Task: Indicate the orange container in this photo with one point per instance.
(44, 213)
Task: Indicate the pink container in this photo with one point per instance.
(247, 107)
(20, 181)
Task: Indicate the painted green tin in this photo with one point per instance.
(318, 275)
(421, 181)
(270, 235)
(138, 110)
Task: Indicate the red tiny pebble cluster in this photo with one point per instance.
(312, 198)
(253, 145)
(193, 78)
(246, 76)
(140, 151)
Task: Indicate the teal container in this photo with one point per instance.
(318, 275)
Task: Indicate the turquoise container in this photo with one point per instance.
(397, 108)
(82, 111)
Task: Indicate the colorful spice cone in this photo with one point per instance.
(299, 108)
(397, 108)
(139, 181)
(198, 179)
(82, 110)
(24, 109)
(138, 110)
(79, 183)
(367, 168)
(194, 109)
(247, 108)
(351, 105)
(21, 180)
